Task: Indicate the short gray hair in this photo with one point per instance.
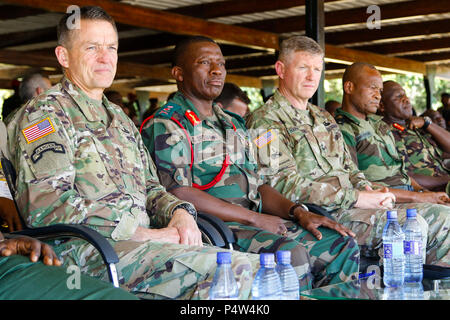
(86, 13)
(299, 43)
(29, 85)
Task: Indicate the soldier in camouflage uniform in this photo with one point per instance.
(310, 161)
(204, 155)
(419, 141)
(81, 160)
(372, 146)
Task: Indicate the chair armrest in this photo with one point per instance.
(93, 237)
(318, 210)
(213, 236)
(221, 227)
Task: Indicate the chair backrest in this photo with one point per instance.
(7, 167)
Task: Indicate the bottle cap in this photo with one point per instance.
(283, 256)
(223, 257)
(411, 213)
(267, 259)
(392, 214)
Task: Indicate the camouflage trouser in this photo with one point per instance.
(331, 260)
(154, 270)
(368, 225)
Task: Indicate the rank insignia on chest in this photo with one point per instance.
(192, 117)
(38, 130)
(265, 139)
(399, 127)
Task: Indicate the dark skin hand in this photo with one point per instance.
(275, 208)
(9, 216)
(27, 246)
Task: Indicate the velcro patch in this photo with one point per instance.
(48, 146)
(38, 130)
(265, 138)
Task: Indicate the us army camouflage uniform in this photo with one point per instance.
(91, 168)
(333, 259)
(419, 151)
(373, 146)
(312, 163)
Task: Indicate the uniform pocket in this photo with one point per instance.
(92, 179)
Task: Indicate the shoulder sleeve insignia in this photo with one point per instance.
(167, 111)
(38, 130)
(48, 146)
(265, 138)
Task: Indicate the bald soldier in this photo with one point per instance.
(81, 160)
(421, 142)
(309, 161)
(372, 146)
(204, 155)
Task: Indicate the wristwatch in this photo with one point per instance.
(427, 122)
(292, 209)
(189, 208)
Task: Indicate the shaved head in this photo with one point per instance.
(388, 88)
(362, 85)
(354, 72)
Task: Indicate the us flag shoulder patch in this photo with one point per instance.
(38, 130)
(265, 138)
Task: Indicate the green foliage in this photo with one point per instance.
(4, 94)
(254, 94)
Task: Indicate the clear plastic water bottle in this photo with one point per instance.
(394, 293)
(413, 248)
(393, 258)
(289, 279)
(267, 284)
(224, 285)
(414, 291)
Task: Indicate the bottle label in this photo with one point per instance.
(392, 250)
(412, 247)
(387, 250)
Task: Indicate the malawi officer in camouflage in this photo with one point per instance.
(420, 142)
(81, 160)
(373, 148)
(204, 155)
(308, 160)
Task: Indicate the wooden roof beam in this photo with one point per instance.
(407, 46)
(389, 32)
(166, 21)
(124, 68)
(382, 62)
(351, 16)
(236, 7)
(170, 22)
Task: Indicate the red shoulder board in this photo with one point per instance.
(192, 117)
(399, 127)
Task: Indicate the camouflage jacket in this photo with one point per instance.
(420, 152)
(307, 159)
(81, 161)
(196, 155)
(372, 147)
